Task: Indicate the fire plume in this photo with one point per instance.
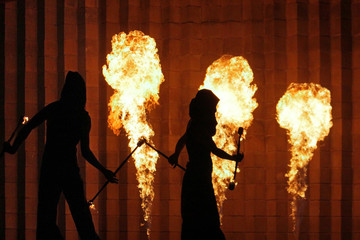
(305, 111)
(230, 78)
(133, 70)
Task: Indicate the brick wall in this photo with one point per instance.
(284, 41)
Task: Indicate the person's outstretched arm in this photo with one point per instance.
(209, 143)
(173, 159)
(90, 157)
(35, 121)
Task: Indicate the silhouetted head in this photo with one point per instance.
(74, 90)
(203, 105)
(202, 110)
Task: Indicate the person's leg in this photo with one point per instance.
(74, 194)
(48, 197)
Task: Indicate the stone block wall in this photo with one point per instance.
(284, 42)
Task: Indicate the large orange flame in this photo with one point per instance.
(305, 111)
(230, 79)
(133, 70)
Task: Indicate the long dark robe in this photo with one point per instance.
(198, 204)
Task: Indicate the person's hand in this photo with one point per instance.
(110, 176)
(8, 148)
(173, 160)
(238, 157)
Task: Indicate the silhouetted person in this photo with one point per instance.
(198, 204)
(68, 123)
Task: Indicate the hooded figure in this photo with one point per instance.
(198, 204)
(68, 123)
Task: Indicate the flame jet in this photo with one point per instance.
(133, 70)
(230, 79)
(305, 111)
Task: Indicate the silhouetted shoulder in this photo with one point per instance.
(43, 115)
(51, 107)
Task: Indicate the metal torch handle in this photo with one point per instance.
(165, 156)
(107, 182)
(232, 183)
(237, 152)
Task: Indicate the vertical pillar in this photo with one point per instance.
(112, 148)
(336, 130)
(267, 101)
(2, 118)
(314, 173)
(102, 110)
(170, 34)
(160, 208)
(53, 56)
(323, 46)
(67, 61)
(20, 111)
(40, 85)
(31, 107)
(355, 16)
(88, 64)
(347, 120)
(10, 117)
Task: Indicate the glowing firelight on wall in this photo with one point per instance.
(133, 70)
(230, 78)
(305, 111)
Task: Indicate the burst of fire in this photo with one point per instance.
(133, 70)
(230, 79)
(305, 111)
